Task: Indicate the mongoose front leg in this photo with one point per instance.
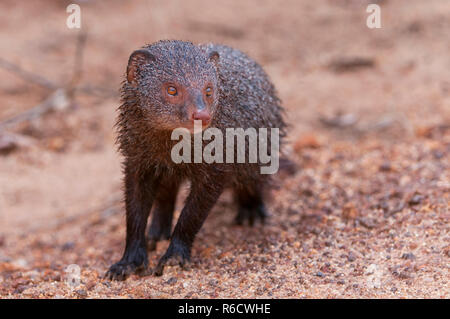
(161, 225)
(139, 195)
(199, 202)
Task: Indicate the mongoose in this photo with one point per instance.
(169, 84)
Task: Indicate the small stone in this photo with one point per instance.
(438, 154)
(68, 246)
(349, 211)
(351, 257)
(409, 256)
(415, 200)
(213, 282)
(32, 274)
(371, 269)
(7, 145)
(385, 167)
(91, 284)
(367, 222)
(20, 263)
(306, 141)
(56, 144)
(320, 274)
(81, 292)
(172, 281)
(20, 289)
(307, 192)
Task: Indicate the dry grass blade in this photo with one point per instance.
(58, 100)
(27, 75)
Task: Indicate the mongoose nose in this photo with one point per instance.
(202, 115)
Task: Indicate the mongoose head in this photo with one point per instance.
(175, 83)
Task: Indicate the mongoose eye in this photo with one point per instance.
(208, 91)
(172, 91)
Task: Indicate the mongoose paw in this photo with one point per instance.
(120, 271)
(127, 266)
(250, 214)
(178, 254)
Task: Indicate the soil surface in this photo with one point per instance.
(365, 215)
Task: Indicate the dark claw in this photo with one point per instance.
(176, 255)
(120, 271)
(133, 261)
(171, 261)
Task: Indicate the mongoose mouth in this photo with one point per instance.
(190, 125)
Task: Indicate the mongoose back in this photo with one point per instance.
(168, 85)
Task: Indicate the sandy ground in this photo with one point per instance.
(365, 215)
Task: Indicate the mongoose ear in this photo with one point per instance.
(214, 56)
(138, 58)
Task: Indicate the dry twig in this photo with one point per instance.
(26, 75)
(61, 97)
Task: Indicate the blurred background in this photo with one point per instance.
(369, 111)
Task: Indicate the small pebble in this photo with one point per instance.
(81, 292)
(351, 257)
(409, 256)
(385, 167)
(415, 200)
(68, 246)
